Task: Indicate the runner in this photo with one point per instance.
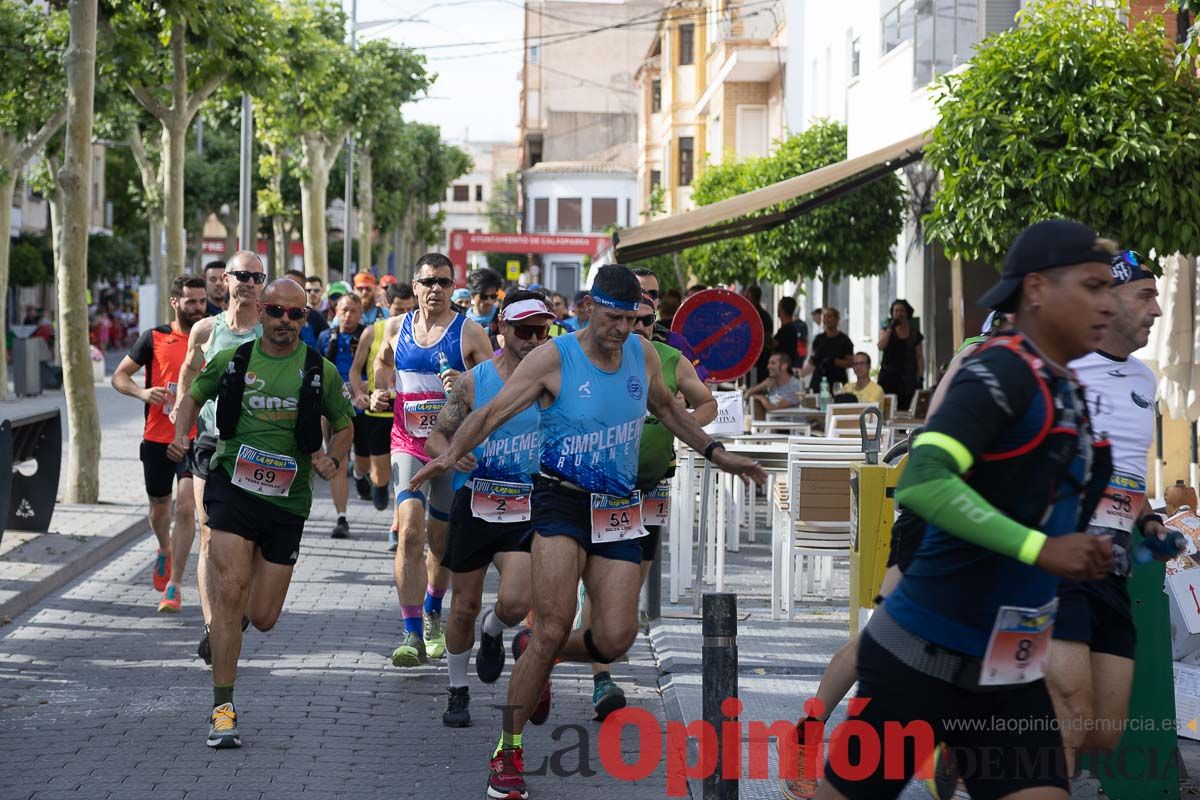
(365, 287)
(594, 388)
(273, 393)
(649, 283)
(244, 277)
(340, 344)
(1091, 661)
(424, 351)
(161, 351)
(1004, 473)
(656, 467)
(489, 520)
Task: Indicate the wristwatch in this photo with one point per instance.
(712, 446)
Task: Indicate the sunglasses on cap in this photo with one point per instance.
(429, 283)
(294, 313)
(527, 332)
(245, 276)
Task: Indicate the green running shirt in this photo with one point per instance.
(657, 451)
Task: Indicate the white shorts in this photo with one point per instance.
(439, 491)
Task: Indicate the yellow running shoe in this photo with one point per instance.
(172, 599)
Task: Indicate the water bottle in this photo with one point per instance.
(443, 364)
(1150, 546)
(823, 397)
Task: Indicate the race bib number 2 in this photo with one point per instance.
(615, 519)
(264, 473)
(1019, 646)
(497, 501)
(421, 415)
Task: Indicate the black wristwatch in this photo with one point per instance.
(708, 451)
(1142, 520)
(336, 463)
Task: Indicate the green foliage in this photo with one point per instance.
(413, 165)
(26, 267)
(211, 178)
(32, 79)
(1071, 114)
(110, 257)
(504, 217)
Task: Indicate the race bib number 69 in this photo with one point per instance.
(264, 473)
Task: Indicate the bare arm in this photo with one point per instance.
(339, 448)
(193, 362)
(122, 381)
(477, 347)
(384, 366)
(758, 388)
(357, 387)
(457, 407)
(885, 336)
(186, 412)
(695, 393)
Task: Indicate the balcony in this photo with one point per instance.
(743, 64)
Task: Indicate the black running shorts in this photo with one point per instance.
(1097, 613)
(379, 435)
(276, 532)
(362, 436)
(159, 471)
(472, 543)
(561, 511)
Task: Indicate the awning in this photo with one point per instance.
(727, 218)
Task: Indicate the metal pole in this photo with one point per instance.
(347, 237)
(719, 664)
(246, 238)
(654, 586)
(702, 545)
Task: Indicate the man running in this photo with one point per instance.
(161, 351)
(1005, 474)
(489, 520)
(594, 388)
(274, 392)
(649, 283)
(216, 289)
(1091, 661)
(339, 344)
(364, 287)
(422, 354)
(244, 277)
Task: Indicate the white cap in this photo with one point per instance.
(525, 309)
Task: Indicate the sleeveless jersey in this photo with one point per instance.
(512, 451)
(592, 430)
(221, 338)
(657, 451)
(417, 376)
(376, 344)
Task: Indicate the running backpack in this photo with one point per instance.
(309, 437)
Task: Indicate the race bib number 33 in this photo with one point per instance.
(497, 501)
(617, 518)
(264, 473)
(1019, 646)
(421, 415)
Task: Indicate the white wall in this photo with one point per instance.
(622, 186)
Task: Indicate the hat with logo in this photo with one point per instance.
(522, 310)
(1127, 267)
(1042, 246)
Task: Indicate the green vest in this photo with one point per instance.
(222, 338)
(657, 452)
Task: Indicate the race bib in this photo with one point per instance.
(656, 505)
(169, 404)
(1122, 501)
(1019, 646)
(264, 473)
(421, 415)
(617, 518)
(497, 501)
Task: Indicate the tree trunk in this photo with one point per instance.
(314, 164)
(57, 205)
(366, 202)
(279, 243)
(385, 252)
(152, 189)
(174, 146)
(83, 472)
(7, 185)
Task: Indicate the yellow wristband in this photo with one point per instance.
(1031, 548)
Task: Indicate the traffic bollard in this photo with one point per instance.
(719, 660)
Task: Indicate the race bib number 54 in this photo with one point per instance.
(264, 473)
(1019, 646)
(617, 518)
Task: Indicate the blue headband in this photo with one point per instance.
(612, 302)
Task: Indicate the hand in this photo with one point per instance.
(1161, 532)
(1077, 556)
(467, 464)
(380, 400)
(174, 413)
(746, 468)
(155, 396)
(325, 466)
(448, 377)
(434, 468)
(177, 449)
(360, 400)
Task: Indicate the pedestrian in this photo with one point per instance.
(215, 288)
(662, 332)
(792, 336)
(754, 294)
(832, 353)
(902, 364)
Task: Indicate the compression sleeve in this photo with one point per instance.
(932, 488)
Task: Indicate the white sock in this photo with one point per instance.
(492, 624)
(458, 663)
(358, 475)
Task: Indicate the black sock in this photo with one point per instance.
(222, 694)
(600, 677)
(342, 518)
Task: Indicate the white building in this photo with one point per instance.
(467, 197)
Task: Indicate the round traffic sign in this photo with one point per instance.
(724, 330)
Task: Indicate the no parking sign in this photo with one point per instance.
(724, 330)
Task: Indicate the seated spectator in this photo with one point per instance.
(780, 389)
(864, 389)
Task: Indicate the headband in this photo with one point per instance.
(612, 302)
(523, 309)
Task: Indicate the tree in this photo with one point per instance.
(83, 448)
(504, 217)
(212, 175)
(32, 109)
(1071, 114)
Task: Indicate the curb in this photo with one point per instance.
(72, 569)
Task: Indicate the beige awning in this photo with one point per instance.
(727, 218)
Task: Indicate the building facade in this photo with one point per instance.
(466, 201)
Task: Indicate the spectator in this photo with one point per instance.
(696, 287)
(792, 336)
(214, 287)
(364, 287)
(484, 292)
(832, 352)
(903, 361)
(864, 389)
(31, 316)
(780, 389)
(580, 312)
(754, 295)
(671, 300)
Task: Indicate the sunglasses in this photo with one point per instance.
(653, 293)
(527, 332)
(646, 320)
(429, 283)
(245, 276)
(487, 296)
(294, 313)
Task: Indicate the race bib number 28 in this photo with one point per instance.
(264, 473)
(421, 415)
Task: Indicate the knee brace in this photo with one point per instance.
(593, 651)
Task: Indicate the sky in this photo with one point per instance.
(476, 94)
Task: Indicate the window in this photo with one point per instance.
(604, 212)
(751, 131)
(534, 53)
(655, 96)
(855, 57)
(686, 157)
(687, 44)
(462, 193)
(570, 214)
(478, 194)
(541, 215)
(655, 179)
(944, 32)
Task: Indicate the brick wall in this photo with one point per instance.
(738, 94)
(1139, 9)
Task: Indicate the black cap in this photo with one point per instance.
(1041, 246)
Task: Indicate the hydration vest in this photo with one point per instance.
(309, 437)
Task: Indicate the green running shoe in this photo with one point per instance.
(410, 653)
(607, 697)
(435, 635)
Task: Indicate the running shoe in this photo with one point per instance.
(222, 731)
(458, 708)
(541, 711)
(803, 786)
(172, 599)
(411, 652)
(607, 697)
(521, 641)
(341, 530)
(379, 496)
(393, 540)
(943, 780)
(489, 659)
(435, 635)
(364, 488)
(162, 570)
(507, 778)
(204, 650)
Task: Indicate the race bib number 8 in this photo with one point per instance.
(264, 473)
(497, 501)
(421, 415)
(1019, 646)
(656, 505)
(615, 519)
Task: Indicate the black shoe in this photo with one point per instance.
(204, 651)
(341, 530)
(458, 708)
(393, 541)
(489, 660)
(364, 488)
(379, 496)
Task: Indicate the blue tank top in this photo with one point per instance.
(417, 376)
(511, 453)
(592, 430)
